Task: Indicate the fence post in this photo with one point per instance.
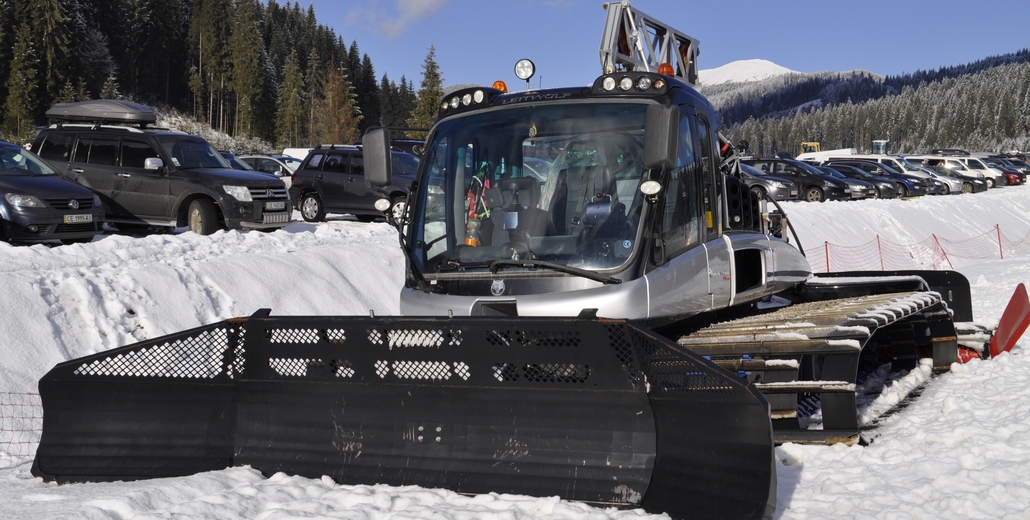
(939, 247)
(879, 251)
(826, 246)
(1001, 251)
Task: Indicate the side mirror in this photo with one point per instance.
(153, 163)
(661, 136)
(375, 148)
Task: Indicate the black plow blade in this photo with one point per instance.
(600, 411)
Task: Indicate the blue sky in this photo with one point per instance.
(480, 41)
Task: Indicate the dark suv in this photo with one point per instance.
(332, 180)
(152, 176)
(813, 185)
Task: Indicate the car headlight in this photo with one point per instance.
(23, 201)
(240, 193)
(96, 201)
(781, 185)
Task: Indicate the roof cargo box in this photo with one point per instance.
(102, 111)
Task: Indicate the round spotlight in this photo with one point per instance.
(650, 187)
(643, 83)
(659, 83)
(466, 99)
(478, 96)
(455, 101)
(382, 204)
(625, 83)
(608, 83)
(524, 69)
(444, 105)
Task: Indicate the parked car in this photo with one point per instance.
(813, 185)
(860, 189)
(36, 204)
(964, 165)
(1012, 174)
(155, 176)
(282, 166)
(235, 162)
(332, 180)
(908, 185)
(969, 184)
(885, 187)
(765, 186)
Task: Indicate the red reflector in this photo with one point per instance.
(966, 355)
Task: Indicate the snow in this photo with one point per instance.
(741, 71)
(960, 450)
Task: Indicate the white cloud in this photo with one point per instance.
(393, 24)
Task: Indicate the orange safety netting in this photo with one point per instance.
(933, 253)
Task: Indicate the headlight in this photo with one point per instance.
(782, 185)
(240, 193)
(96, 200)
(23, 201)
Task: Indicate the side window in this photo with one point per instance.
(314, 161)
(103, 152)
(335, 163)
(135, 153)
(681, 229)
(267, 166)
(357, 167)
(57, 148)
(711, 178)
(82, 150)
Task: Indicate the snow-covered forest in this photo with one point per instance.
(243, 67)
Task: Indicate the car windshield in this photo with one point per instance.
(907, 166)
(551, 183)
(292, 163)
(191, 152)
(752, 170)
(15, 161)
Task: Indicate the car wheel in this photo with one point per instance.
(201, 217)
(814, 194)
(902, 191)
(311, 208)
(758, 192)
(990, 182)
(967, 187)
(945, 190)
(398, 205)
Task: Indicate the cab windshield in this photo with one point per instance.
(548, 183)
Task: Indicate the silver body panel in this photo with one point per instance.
(701, 279)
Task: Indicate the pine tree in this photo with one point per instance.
(290, 116)
(429, 96)
(247, 73)
(336, 116)
(111, 89)
(368, 95)
(50, 31)
(22, 85)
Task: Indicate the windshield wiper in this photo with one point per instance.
(497, 265)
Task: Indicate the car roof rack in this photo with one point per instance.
(334, 146)
(949, 151)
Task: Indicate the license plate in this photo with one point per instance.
(77, 219)
(279, 204)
